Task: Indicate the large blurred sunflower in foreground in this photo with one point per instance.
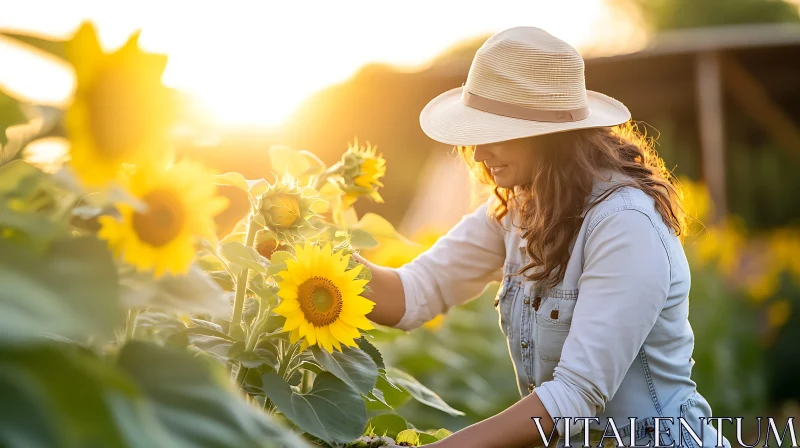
(121, 112)
(321, 300)
(180, 205)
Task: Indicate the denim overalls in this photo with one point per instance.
(611, 341)
(536, 322)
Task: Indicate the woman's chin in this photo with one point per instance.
(503, 182)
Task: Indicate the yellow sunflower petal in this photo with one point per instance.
(287, 306)
(357, 321)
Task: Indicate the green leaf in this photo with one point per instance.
(361, 239)
(206, 324)
(372, 351)
(442, 433)
(375, 401)
(10, 114)
(78, 399)
(53, 47)
(258, 187)
(298, 164)
(50, 294)
(315, 164)
(311, 366)
(195, 292)
(214, 342)
(197, 404)
(278, 261)
(161, 324)
(332, 410)
(353, 366)
(257, 358)
(388, 424)
(242, 256)
(420, 392)
(425, 438)
(233, 179)
(386, 395)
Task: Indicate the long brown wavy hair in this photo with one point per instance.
(565, 166)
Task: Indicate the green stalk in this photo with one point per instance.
(252, 339)
(241, 282)
(323, 176)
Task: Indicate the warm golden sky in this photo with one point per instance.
(251, 63)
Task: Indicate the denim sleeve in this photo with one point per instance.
(622, 290)
(452, 271)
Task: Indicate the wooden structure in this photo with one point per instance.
(701, 75)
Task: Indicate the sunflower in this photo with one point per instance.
(180, 205)
(121, 112)
(362, 169)
(287, 208)
(320, 298)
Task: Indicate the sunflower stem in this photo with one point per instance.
(320, 180)
(304, 383)
(241, 282)
(130, 324)
(252, 339)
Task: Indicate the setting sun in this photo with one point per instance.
(254, 63)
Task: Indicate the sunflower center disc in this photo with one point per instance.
(162, 221)
(320, 301)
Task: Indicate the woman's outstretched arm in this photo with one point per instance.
(387, 293)
(451, 272)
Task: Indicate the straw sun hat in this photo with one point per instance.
(522, 82)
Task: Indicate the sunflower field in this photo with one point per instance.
(148, 302)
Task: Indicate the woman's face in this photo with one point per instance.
(510, 162)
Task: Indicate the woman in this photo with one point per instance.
(586, 226)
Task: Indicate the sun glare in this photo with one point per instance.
(253, 63)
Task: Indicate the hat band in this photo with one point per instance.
(525, 113)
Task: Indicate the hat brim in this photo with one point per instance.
(448, 120)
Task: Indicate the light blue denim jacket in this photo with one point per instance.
(612, 340)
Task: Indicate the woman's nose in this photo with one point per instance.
(479, 154)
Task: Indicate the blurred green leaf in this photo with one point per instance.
(298, 164)
(10, 114)
(56, 48)
(193, 292)
(232, 179)
(361, 239)
(196, 403)
(419, 392)
(61, 397)
(50, 294)
(332, 411)
(216, 343)
(353, 366)
(242, 256)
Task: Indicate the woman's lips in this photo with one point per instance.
(497, 169)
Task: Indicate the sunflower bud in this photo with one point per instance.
(266, 244)
(362, 170)
(287, 208)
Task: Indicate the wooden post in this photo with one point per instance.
(708, 82)
(754, 100)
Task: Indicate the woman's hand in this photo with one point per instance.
(510, 428)
(386, 290)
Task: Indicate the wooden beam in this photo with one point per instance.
(756, 103)
(708, 83)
